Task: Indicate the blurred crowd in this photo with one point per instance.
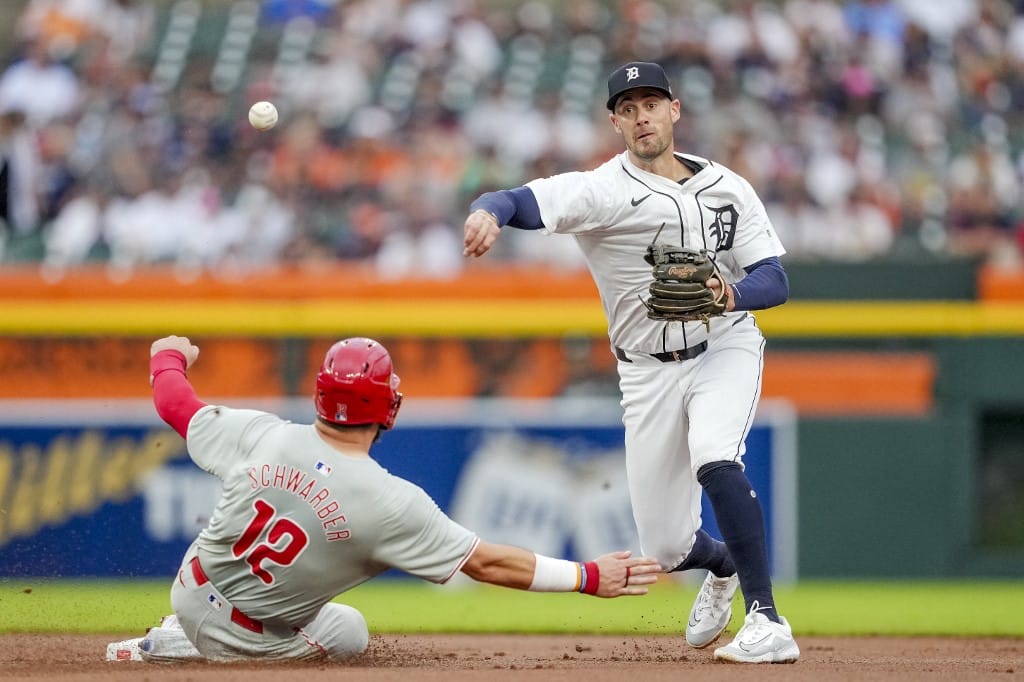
(870, 128)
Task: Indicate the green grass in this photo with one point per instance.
(968, 608)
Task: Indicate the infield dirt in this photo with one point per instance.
(539, 658)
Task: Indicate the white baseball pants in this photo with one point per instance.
(680, 416)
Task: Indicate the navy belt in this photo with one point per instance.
(669, 356)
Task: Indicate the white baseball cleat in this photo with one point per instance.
(127, 650)
(168, 645)
(760, 641)
(711, 611)
(170, 621)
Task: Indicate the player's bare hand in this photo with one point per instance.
(479, 233)
(623, 574)
(716, 285)
(178, 343)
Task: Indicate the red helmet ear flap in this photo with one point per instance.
(396, 405)
(357, 384)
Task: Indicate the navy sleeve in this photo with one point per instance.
(516, 207)
(765, 286)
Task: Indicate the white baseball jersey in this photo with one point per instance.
(300, 523)
(617, 209)
(678, 413)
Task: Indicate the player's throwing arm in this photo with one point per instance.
(479, 233)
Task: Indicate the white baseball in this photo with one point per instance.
(263, 115)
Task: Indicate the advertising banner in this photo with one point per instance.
(105, 489)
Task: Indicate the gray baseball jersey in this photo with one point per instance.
(617, 209)
(300, 523)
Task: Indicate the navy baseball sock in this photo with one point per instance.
(741, 521)
(710, 554)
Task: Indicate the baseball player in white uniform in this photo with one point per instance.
(689, 389)
(307, 514)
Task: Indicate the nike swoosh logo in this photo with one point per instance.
(750, 647)
(637, 202)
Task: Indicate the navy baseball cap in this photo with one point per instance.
(636, 75)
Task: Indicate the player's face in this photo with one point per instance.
(644, 117)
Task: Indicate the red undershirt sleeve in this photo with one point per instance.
(175, 399)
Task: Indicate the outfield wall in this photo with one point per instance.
(910, 412)
(104, 489)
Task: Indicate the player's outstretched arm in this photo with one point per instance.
(479, 233)
(173, 396)
(189, 351)
(516, 207)
(612, 575)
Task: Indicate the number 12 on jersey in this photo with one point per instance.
(296, 540)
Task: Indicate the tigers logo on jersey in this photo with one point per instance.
(722, 225)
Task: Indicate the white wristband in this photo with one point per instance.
(556, 575)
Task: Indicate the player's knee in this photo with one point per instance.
(349, 635)
(670, 554)
(706, 469)
(361, 639)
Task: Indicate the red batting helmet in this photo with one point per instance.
(357, 384)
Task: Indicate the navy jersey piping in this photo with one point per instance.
(679, 209)
(696, 199)
(753, 405)
(682, 238)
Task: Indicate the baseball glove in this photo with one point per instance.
(679, 292)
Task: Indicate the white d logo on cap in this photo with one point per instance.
(632, 73)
